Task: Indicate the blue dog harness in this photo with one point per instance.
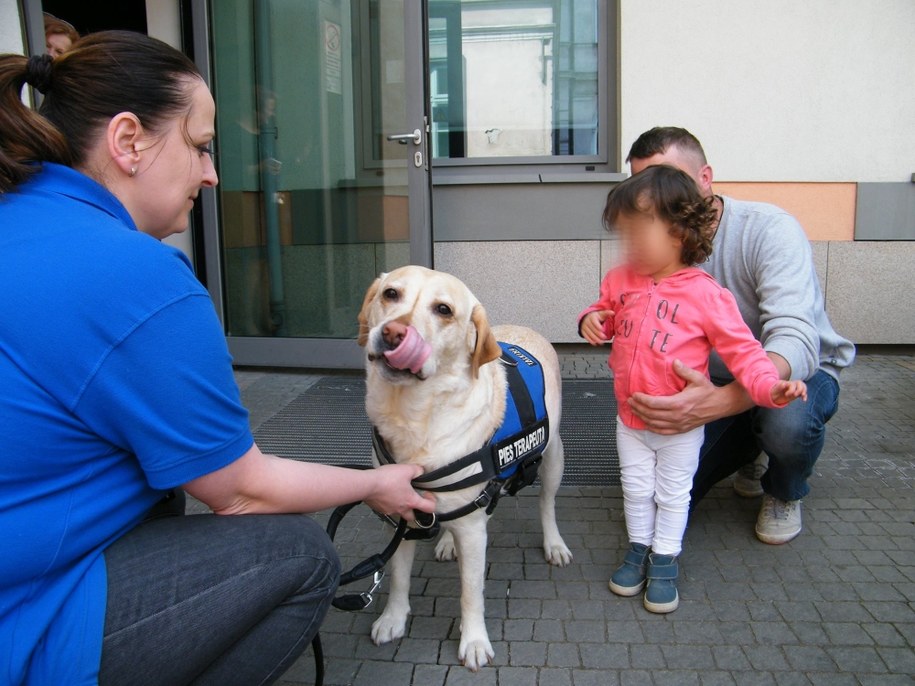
(510, 459)
(525, 429)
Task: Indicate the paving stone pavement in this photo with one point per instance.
(835, 606)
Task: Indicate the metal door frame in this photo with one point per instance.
(338, 353)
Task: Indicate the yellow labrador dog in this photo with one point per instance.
(436, 391)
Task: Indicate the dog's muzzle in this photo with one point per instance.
(410, 354)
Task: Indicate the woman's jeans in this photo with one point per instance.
(210, 599)
(791, 436)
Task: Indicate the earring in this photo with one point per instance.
(133, 171)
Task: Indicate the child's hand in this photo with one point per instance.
(592, 326)
(785, 391)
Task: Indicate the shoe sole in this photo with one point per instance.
(661, 608)
(776, 539)
(626, 591)
(745, 490)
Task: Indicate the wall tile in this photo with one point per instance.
(540, 284)
(870, 298)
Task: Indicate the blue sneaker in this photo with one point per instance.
(661, 595)
(629, 577)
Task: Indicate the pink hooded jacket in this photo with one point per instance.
(682, 317)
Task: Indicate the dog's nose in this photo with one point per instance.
(393, 333)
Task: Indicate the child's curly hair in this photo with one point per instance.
(672, 196)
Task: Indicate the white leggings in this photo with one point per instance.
(657, 475)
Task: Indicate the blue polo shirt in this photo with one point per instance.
(115, 386)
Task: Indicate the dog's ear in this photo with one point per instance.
(363, 317)
(487, 347)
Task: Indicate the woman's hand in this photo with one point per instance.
(395, 494)
(593, 324)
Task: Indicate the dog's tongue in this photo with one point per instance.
(412, 352)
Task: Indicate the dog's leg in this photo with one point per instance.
(444, 548)
(554, 548)
(393, 621)
(470, 542)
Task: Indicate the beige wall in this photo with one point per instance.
(545, 284)
(819, 90)
(10, 27)
(163, 21)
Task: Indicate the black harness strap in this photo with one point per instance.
(420, 482)
(516, 386)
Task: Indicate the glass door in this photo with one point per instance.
(323, 166)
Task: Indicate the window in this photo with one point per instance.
(518, 81)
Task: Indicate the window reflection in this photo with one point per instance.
(314, 201)
(513, 79)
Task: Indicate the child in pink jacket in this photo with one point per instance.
(657, 308)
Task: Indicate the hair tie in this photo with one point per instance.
(38, 72)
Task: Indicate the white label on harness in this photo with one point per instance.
(521, 446)
(521, 356)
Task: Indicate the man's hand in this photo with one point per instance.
(592, 326)
(785, 391)
(699, 403)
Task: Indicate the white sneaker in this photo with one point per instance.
(779, 521)
(746, 480)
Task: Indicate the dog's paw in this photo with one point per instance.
(388, 628)
(557, 553)
(475, 653)
(444, 549)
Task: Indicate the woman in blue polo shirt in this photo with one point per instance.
(117, 387)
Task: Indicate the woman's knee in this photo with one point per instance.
(311, 552)
(294, 554)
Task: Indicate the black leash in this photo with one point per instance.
(371, 566)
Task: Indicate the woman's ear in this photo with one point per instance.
(487, 347)
(123, 136)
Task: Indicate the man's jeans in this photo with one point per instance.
(792, 437)
(210, 599)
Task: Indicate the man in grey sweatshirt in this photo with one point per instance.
(761, 254)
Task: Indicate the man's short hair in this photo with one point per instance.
(658, 140)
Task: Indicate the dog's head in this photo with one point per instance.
(416, 323)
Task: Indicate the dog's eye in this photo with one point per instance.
(390, 294)
(444, 310)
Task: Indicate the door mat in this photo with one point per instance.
(327, 423)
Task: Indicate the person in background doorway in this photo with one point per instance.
(59, 35)
(761, 254)
(117, 387)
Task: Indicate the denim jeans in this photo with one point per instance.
(791, 436)
(209, 599)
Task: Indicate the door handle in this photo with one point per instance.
(402, 138)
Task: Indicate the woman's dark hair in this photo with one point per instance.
(672, 196)
(104, 74)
